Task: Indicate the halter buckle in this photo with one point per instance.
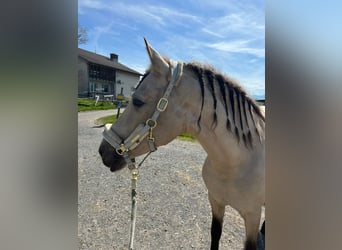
(162, 104)
(121, 150)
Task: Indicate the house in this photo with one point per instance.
(104, 76)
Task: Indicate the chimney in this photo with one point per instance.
(114, 57)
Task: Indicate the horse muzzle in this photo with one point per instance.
(110, 157)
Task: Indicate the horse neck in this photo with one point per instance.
(211, 130)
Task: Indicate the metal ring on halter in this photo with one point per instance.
(151, 123)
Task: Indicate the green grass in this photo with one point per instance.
(89, 104)
(105, 120)
(187, 137)
(112, 118)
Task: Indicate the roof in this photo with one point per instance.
(102, 60)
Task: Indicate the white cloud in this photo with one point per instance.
(237, 24)
(238, 46)
(171, 14)
(97, 33)
(140, 12)
(212, 33)
(90, 4)
(152, 14)
(164, 16)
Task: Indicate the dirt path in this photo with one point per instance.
(173, 210)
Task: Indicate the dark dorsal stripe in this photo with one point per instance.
(199, 73)
(241, 105)
(250, 108)
(238, 100)
(210, 76)
(243, 98)
(232, 103)
(222, 85)
(249, 135)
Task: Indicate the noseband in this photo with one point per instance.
(123, 147)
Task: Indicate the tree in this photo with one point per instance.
(82, 35)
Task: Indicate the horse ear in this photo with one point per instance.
(157, 61)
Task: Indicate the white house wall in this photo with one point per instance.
(127, 81)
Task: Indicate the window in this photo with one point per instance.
(100, 72)
(92, 87)
(105, 88)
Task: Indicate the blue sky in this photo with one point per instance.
(228, 34)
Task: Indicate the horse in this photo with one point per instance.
(173, 98)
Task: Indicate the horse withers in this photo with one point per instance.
(174, 98)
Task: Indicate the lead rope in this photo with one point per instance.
(134, 178)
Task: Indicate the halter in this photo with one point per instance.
(123, 147)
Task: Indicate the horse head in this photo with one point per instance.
(152, 117)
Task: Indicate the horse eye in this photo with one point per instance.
(137, 102)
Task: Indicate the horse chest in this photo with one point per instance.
(230, 185)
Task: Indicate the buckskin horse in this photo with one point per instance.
(174, 98)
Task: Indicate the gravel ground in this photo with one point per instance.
(173, 211)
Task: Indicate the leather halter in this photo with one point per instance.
(121, 146)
